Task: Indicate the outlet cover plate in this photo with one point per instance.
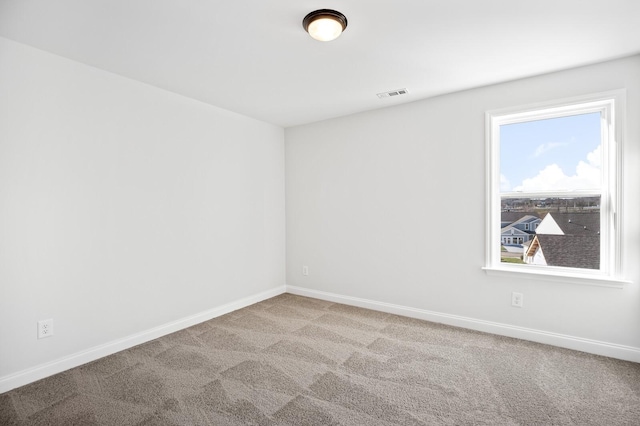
(45, 328)
(517, 299)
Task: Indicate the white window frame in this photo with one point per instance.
(611, 106)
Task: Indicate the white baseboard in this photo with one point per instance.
(24, 377)
(627, 353)
(612, 350)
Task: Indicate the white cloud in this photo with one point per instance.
(594, 157)
(505, 185)
(552, 177)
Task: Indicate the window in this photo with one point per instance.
(560, 163)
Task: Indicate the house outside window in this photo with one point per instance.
(559, 163)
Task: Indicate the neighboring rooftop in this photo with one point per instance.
(570, 251)
(513, 216)
(578, 223)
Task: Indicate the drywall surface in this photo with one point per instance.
(124, 207)
(389, 206)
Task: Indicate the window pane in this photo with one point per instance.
(554, 167)
(552, 154)
(563, 232)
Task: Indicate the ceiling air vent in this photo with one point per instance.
(393, 93)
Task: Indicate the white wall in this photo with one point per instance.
(389, 206)
(124, 207)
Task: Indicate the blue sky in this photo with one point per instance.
(557, 153)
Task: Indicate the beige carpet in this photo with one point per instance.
(292, 360)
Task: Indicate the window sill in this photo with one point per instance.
(595, 280)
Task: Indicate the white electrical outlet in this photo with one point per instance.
(305, 270)
(517, 299)
(45, 328)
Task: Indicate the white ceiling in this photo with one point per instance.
(254, 58)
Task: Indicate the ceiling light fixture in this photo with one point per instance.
(325, 24)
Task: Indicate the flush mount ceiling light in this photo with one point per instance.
(325, 24)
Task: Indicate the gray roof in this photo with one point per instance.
(524, 219)
(571, 251)
(513, 216)
(578, 223)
